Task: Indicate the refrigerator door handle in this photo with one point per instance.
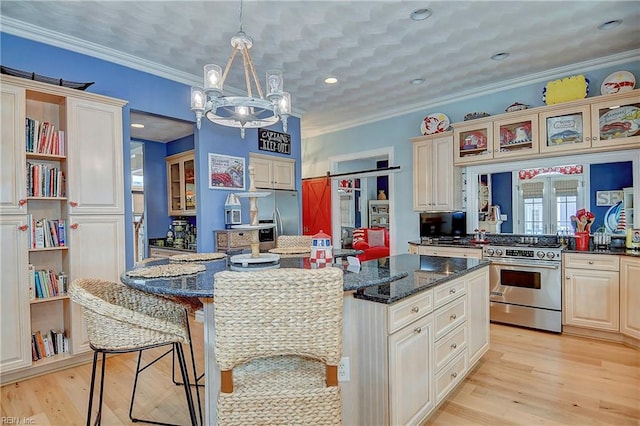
(278, 222)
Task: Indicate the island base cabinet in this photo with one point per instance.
(450, 376)
(410, 367)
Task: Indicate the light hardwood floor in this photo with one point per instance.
(526, 378)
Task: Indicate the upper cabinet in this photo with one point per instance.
(181, 184)
(601, 123)
(273, 172)
(436, 182)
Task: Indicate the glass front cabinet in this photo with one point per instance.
(616, 122)
(181, 184)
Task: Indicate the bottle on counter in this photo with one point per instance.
(170, 238)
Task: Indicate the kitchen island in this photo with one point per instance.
(414, 326)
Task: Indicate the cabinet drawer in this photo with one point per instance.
(445, 293)
(601, 262)
(450, 376)
(239, 239)
(450, 316)
(409, 310)
(451, 345)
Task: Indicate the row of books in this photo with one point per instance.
(42, 138)
(44, 180)
(43, 283)
(44, 345)
(45, 233)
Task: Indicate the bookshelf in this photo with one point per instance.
(379, 214)
(57, 216)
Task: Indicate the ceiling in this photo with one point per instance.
(372, 47)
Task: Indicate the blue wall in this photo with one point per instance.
(607, 177)
(148, 93)
(502, 196)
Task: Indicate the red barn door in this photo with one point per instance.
(316, 206)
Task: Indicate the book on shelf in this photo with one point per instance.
(38, 234)
(40, 341)
(32, 282)
(47, 346)
(43, 138)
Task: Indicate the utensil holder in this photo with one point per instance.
(582, 241)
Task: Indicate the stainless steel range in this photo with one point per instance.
(526, 285)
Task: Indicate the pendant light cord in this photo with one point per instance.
(241, 16)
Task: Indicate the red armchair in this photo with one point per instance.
(373, 241)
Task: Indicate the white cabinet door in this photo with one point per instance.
(436, 186)
(478, 313)
(13, 190)
(284, 174)
(96, 250)
(410, 372)
(630, 296)
(95, 171)
(15, 348)
(592, 299)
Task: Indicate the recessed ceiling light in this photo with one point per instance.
(610, 24)
(421, 14)
(137, 125)
(417, 81)
(331, 80)
(500, 56)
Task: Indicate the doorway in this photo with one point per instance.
(355, 204)
(137, 201)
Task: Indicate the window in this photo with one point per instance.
(547, 202)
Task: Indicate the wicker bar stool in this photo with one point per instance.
(292, 245)
(278, 345)
(120, 319)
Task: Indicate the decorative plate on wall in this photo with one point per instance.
(434, 123)
(565, 90)
(616, 82)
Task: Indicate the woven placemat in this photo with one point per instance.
(197, 257)
(169, 270)
(290, 250)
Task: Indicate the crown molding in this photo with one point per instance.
(544, 76)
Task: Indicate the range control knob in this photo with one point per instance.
(489, 251)
(540, 255)
(551, 255)
(498, 252)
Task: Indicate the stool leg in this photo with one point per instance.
(185, 377)
(93, 381)
(135, 384)
(104, 363)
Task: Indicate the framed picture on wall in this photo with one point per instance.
(226, 172)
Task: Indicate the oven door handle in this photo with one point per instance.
(528, 263)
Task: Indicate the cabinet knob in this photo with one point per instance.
(590, 262)
(454, 375)
(22, 202)
(452, 291)
(418, 330)
(594, 138)
(453, 346)
(415, 309)
(567, 278)
(453, 316)
(74, 226)
(73, 203)
(23, 227)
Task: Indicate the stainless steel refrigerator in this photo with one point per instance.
(283, 208)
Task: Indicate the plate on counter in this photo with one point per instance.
(620, 122)
(616, 82)
(434, 123)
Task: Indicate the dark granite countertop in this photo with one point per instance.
(612, 251)
(423, 272)
(372, 273)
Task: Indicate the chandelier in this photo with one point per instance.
(250, 111)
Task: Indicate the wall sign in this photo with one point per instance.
(608, 198)
(269, 140)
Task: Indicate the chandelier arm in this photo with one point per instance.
(253, 72)
(228, 66)
(246, 61)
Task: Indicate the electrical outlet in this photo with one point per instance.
(344, 369)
